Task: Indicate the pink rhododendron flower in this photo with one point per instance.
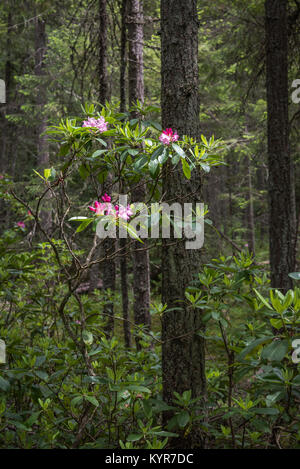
(21, 224)
(123, 212)
(98, 124)
(106, 208)
(106, 198)
(168, 136)
(99, 208)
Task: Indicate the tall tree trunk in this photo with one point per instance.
(141, 264)
(250, 210)
(40, 52)
(135, 23)
(103, 74)
(8, 85)
(282, 243)
(43, 157)
(123, 241)
(124, 290)
(183, 354)
(108, 266)
(123, 56)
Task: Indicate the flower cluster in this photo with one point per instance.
(106, 208)
(168, 136)
(21, 224)
(98, 124)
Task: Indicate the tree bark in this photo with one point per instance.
(141, 269)
(281, 217)
(183, 354)
(8, 85)
(123, 241)
(135, 24)
(123, 57)
(103, 74)
(250, 210)
(40, 53)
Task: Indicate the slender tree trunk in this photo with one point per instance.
(135, 23)
(250, 211)
(40, 52)
(107, 248)
(123, 241)
(124, 290)
(8, 84)
(123, 57)
(141, 264)
(103, 74)
(282, 229)
(43, 157)
(183, 354)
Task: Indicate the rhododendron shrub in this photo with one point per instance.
(129, 151)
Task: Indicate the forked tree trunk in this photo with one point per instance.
(183, 349)
(281, 221)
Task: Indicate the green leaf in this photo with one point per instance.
(295, 275)
(205, 167)
(186, 168)
(83, 172)
(98, 153)
(175, 159)
(87, 337)
(134, 387)
(163, 433)
(265, 410)
(64, 149)
(157, 152)
(78, 218)
(262, 299)
(163, 157)
(252, 346)
(84, 224)
(92, 400)
(134, 437)
(178, 150)
(140, 163)
(133, 152)
(183, 418)
(276, 323)
(296, 381)
(204, 140)
(275, 351)
(154, 168)
(39, 175)
(156, 125)
(102, 176)
(47, 173)
(76, 400)
(4, 384)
